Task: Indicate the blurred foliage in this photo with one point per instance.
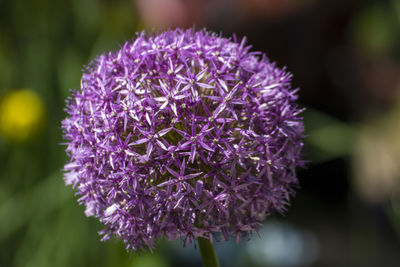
(376, 156)
(376, 29)
(327, 137)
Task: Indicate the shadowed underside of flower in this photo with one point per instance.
(182, 134)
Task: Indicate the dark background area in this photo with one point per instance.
(345, 58)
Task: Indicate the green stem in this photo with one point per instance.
(207, 253)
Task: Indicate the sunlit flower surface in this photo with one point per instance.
(183, 134)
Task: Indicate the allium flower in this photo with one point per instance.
(183, 134)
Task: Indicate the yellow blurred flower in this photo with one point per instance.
(21, 115)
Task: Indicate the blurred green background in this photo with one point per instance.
(345, 56)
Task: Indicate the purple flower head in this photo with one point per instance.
(183, 134)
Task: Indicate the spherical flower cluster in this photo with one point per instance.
(183, 134)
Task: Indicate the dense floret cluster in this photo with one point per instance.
(183, 134)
